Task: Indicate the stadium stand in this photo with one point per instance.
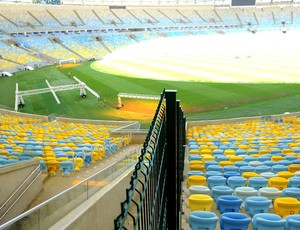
(265, 137)
(85, 46)
(113, 42)
(26, 138)
(227, 162)
(49, 46)
(38, 27)
(16, 55)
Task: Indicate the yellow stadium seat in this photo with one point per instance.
(4, 152)
(78, 163)
(52, 167)
(225, 163)
(248, 175)
(277, 158)
(278, 182)
(264, 151)
(242, 146)
(285, 151)
(200, 202)
(194, 151)
(235, 158)
(208, 158)
(285, 206)
(199, 167)
(50, 159)
(256, 155)
(229, 152)
(205, 152)
(196, 180)
(62, 159)
(294, 168)
(203, 147)
(285, 174)
(49, 155)
(95, 156)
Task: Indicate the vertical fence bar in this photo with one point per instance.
(171, 122)
(179, 160)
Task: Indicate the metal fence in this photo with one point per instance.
(153, 199)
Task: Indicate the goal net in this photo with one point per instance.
(65, 61)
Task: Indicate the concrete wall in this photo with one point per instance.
(100, 210)
(128, 124)
(18, 178)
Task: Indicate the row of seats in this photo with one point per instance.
(283, 206)
(232, 220)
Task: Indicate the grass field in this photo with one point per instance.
(212, 82)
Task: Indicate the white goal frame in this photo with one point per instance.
(61, 62)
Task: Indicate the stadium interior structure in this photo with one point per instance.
(240, 173)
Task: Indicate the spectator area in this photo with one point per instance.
(243, 161)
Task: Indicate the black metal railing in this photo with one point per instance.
(153, 200)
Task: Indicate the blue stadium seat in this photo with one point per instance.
(292, 222)
(213, 181)
(229, 203)
(219, 191)
(234, 220)
(257, 204)
(294, 182)
(236, 181)
(291, 192)
(257, 182)
(203, 220)
(267, 221)
(215, 168)
(66, 167)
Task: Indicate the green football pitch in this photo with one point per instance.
(212, 85)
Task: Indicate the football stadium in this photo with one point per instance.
(126, 114)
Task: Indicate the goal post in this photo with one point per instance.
(135, 96)
(65, 61)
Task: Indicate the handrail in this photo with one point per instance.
(19, 197)
(34, 209)
(18, 189)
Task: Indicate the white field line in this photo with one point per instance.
(253, 71)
